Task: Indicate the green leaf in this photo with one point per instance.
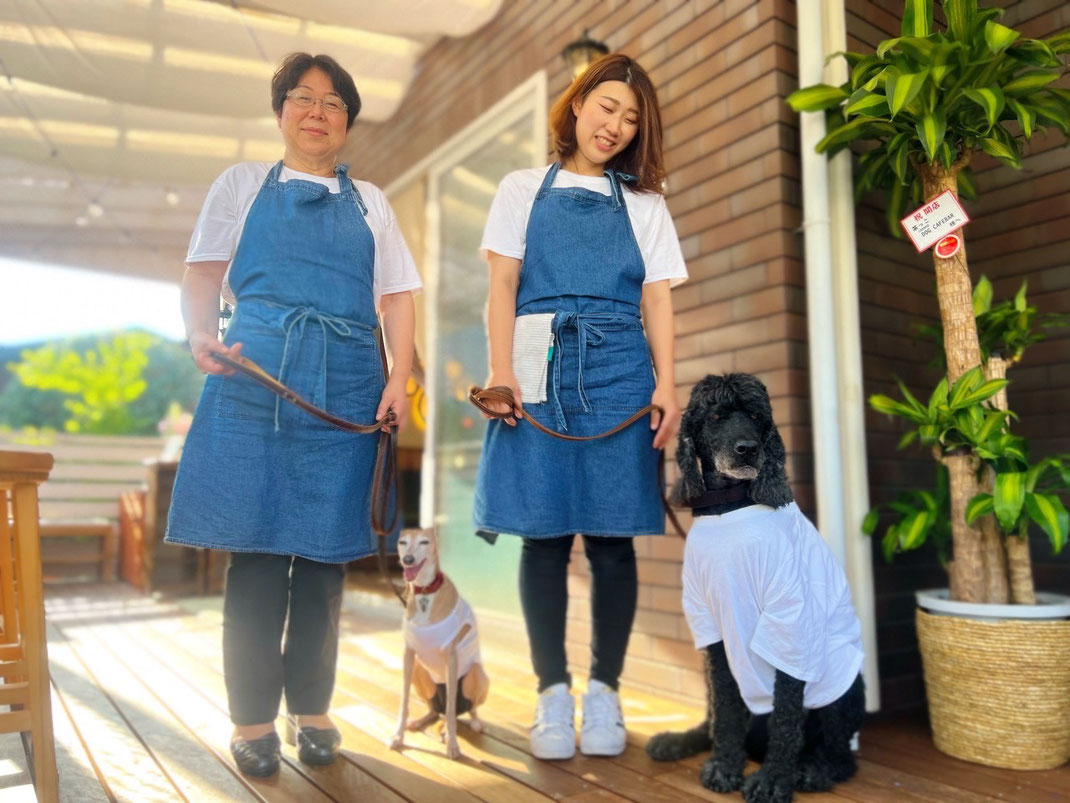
(887, 45)
(889, 544)
(1027, 118)
(889, 406)
(869, 103)
(901, 88)
(980, 505)
(816, 98)
(1030, 81)
(858, 128)
(931, 129)
(1019, 297)
(895, 198)
(999, 37)
(861, 72)
(990, 99)
(938, 397)
(908, 438)
(993, 420)
(1008, 498)
(985, 391)
(917, 18)
(982, 296)
(960, 16)
(993, 147)
(963, 385)
(966, 187)
(912, 531)
(869, 523)
(1048, 512)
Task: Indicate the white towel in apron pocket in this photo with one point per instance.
(533, 341)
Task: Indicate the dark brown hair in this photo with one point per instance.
(297, 64)
(642, 158)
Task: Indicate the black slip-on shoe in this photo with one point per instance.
(257, 757)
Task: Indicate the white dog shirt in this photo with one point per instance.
(429, 642)
(764, 581)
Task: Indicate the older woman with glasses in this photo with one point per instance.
(311, 259)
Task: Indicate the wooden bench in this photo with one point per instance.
(24, 676)
(98, 547)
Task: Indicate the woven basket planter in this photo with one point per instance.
(998, 690)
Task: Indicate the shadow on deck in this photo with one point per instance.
(140, 714)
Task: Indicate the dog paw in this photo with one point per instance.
(717, 777)
(476, 726)
(398, 741)
(453, 751)
(813, 776)
(769, 785)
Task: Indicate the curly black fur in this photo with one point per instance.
(727, 437)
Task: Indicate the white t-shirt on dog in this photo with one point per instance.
(764, 581)
(655, 234)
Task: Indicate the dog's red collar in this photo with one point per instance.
(431, 587)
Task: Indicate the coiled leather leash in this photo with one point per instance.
(482, 398)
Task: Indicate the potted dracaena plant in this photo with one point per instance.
(918, 109)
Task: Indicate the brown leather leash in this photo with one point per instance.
(483, 397)
(385, 472)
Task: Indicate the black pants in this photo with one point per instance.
(263, 594)
(544, 599)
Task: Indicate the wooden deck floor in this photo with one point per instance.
(140, 715)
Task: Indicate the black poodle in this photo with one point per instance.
(732, 457)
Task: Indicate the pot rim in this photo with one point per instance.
(1049, 606)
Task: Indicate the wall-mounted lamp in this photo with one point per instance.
(582, 53)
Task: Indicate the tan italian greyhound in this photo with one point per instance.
(441, 645)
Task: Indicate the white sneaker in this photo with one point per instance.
(602, 733)
(553, 736)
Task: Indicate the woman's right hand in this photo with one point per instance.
(203, 346)
(509, 381)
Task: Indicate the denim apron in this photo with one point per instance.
(258, 475)
(581, 263)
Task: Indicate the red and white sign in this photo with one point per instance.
(948, 247)
(929, 224)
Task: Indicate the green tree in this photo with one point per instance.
(100, 384)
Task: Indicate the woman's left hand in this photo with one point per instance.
(395, 398)
(666, 422)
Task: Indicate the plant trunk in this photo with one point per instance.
(1018, 563)
(1021, 570)
(966, 569)
(954, 291)
(993, 556)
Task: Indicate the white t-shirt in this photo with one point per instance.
(507, 223)
(222, 218)
(429, 642)
(765, 582)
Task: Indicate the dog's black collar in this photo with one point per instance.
(716, 501)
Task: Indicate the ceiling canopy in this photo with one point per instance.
(116, 115)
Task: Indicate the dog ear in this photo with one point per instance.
(686, 458)
(771, 487)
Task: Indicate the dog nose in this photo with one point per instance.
(408, 560)
(746, 447)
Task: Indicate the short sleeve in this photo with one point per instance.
(660, 247)
(700, 618)
(395, 270)
(506, 228)
(789, 629)
(215, 237)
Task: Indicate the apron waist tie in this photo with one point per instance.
(296, 319)
(587, 334)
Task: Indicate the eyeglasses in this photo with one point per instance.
(305, 99)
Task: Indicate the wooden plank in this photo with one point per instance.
(131, 475)
(57, 509)
(338, 779)
(197, 773)
(78, 779)
(131, 771)
(79, 489)
(204, 720)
